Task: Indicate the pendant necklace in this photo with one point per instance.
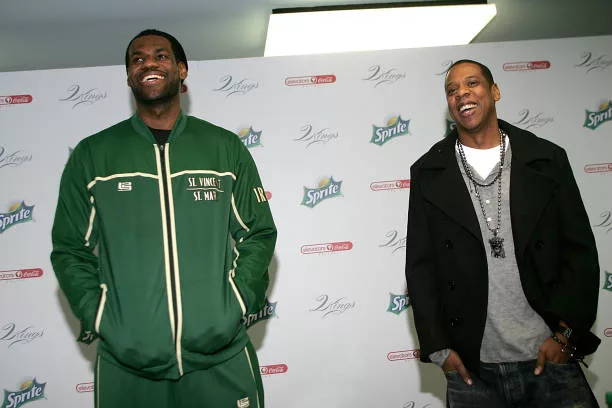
(496, 243)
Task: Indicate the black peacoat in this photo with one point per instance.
(446, 266)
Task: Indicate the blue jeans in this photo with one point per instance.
(513, 385)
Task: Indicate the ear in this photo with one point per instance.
(496, 93)
(182, 70)
(129, 82)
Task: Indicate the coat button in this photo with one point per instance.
(448, 244)
(539, 245)
(454, 321)
(451, 285)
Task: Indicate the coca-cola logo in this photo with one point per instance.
(273, 369)
(85, 387)
(526, 66)
(21, 274)
(327, 247)
(598, 168)
(310, 80)
(268, 195)
(15, 99)
(390, 185)
(404, 355)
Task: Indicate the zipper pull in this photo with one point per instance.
(161, 148)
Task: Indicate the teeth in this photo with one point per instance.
(466, 107)
(152, 76)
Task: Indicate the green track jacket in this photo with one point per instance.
(162, 250)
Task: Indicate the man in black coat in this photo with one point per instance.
(501, 262)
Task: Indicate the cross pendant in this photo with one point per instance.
(497, 247)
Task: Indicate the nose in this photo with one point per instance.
(463, 90)
(149, 62)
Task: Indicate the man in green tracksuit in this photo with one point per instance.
(161, 242)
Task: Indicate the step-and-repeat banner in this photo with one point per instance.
(334, 137)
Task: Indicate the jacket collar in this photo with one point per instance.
(142, 129)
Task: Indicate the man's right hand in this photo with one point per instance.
(453, 363)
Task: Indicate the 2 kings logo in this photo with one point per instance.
(78, 96)
(29, 391)
(230, 86)
(591, 62)
(11, 334)
(13, 159)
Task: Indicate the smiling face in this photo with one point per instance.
(153, 72)
(471, 98)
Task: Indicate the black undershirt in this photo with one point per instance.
(161, 135)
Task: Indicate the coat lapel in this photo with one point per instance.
(445, 187)
(530, 188)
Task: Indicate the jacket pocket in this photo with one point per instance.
(243, 307)
(100, 308)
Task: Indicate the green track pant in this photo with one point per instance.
(235, 383)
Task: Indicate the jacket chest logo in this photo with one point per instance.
(204, 188)
(124, 186)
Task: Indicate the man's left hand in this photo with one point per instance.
(551, 351)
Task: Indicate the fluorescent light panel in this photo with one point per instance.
(320, 32)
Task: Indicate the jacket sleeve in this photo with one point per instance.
(574, 297)
(74, 237)
(421, 276)
(253, 230)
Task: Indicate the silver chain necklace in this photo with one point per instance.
(497, 243)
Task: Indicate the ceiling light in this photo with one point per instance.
(320, 30)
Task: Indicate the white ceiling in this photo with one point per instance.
(46, 34)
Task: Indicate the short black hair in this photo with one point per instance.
(177, 48)
(486, 72)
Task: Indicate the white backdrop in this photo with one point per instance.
(338, 331)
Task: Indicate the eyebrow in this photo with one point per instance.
(468, 77)
(156, 51)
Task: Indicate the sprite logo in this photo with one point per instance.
(398, 303)
(450, 126)
(608, 281)
(17, 214)
(395, 127)
(594, 119)
(328, 188)
(266, 312)
(28, 392)
(250, 137)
